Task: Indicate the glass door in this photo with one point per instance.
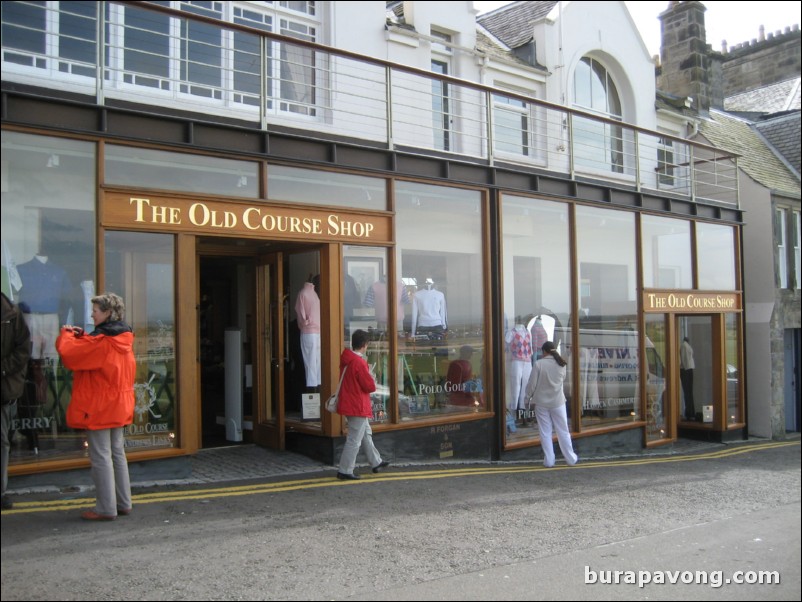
(271, 356)
(697, 367)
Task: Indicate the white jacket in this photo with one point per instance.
(545, 386)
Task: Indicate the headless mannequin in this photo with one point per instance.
(307, 308)
(429, 311)
(519, 344)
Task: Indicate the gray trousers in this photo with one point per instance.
(359, 434)
(109, 470)
(8, 412)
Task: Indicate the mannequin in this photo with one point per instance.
(307, 308)
(45, 290)
(519, 345)
(376, 297)
(429, 311)
(539, 336)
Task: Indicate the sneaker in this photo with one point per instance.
(378, 468)
(92, 515)
(7, 504)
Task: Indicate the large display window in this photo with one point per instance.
(536, 298)
(666, 251)
(715, 257)
(441, 346)
(48, 268)
(609, 341)
(140, 267)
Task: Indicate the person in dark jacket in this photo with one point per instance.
(16, 349)
(355, 405)
(102, 402)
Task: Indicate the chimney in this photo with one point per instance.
(684, 54)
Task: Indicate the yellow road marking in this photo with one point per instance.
(319, 482)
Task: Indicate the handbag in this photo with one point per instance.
(334, 401)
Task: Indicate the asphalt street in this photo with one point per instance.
(705, 521)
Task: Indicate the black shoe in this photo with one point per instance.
(348, 477)
(378, 468)
(7, 503)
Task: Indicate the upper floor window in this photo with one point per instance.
(161, 56)
(441, 102)
(780, 217)
(797, 244)
(513, 127)
(597, 145)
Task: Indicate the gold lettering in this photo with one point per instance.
(140, 208)
(175, 215)
(334, 225)
(159, 214)
(246, 218)
(204, 214)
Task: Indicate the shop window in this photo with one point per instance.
(666, 252)
(536, 298)
(137, 167)
(441, 349)
(318, 187)
(366, 306)
(48, 268)
(609, 342)
(715, 256)
(140, 267)
(656, 393)
(733, 368)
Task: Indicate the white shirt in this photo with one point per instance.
(545, 386)
(428, 309)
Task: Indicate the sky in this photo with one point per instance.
(724, 20)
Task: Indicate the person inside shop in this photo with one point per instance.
(355, 405)
(429, 315)
(460, 379)
(545, 390)
(102, 402)
(307, 310)
(686, 368)
(16, 344)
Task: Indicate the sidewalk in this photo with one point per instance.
(249, 461)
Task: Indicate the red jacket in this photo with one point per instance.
(104, 369)
(358, 384)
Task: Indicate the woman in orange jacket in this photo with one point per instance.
(102, 399)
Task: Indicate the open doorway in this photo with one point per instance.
(226, 332)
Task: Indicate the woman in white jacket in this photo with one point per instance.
(545, 388)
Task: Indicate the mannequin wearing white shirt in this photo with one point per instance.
(429, 310)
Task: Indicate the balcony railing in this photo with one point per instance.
(227, 61)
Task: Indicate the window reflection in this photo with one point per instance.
(715, 256)
(439, 259)
(536, 297)
(666, 248)
(48, 268)
(140, 268)
(656, 419)
(609, 381)
(366, 306)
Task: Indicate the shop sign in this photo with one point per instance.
(234, 218)
(682, 302)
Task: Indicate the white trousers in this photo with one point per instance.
(310, 349)
(549, 419)
(109, 470)
(359, 434)
(519, 378)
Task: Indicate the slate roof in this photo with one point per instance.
(513, 24)
(757, 160)
(774, 98)
(783, 133)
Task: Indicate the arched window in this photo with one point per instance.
(597, 145)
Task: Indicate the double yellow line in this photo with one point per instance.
(329, 481)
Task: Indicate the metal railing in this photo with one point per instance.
(168, 58)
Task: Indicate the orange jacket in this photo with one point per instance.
(104, 369)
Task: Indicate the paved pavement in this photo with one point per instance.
(248, 461)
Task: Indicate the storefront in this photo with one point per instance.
(212, 254)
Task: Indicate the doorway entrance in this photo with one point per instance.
(252, 365)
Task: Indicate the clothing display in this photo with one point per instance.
(45, 290)
(376, 297)
(539, 336)
(307, 308)
(519, 346)
(429, 309)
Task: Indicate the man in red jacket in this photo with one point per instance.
(102, 402)
(355, 405)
